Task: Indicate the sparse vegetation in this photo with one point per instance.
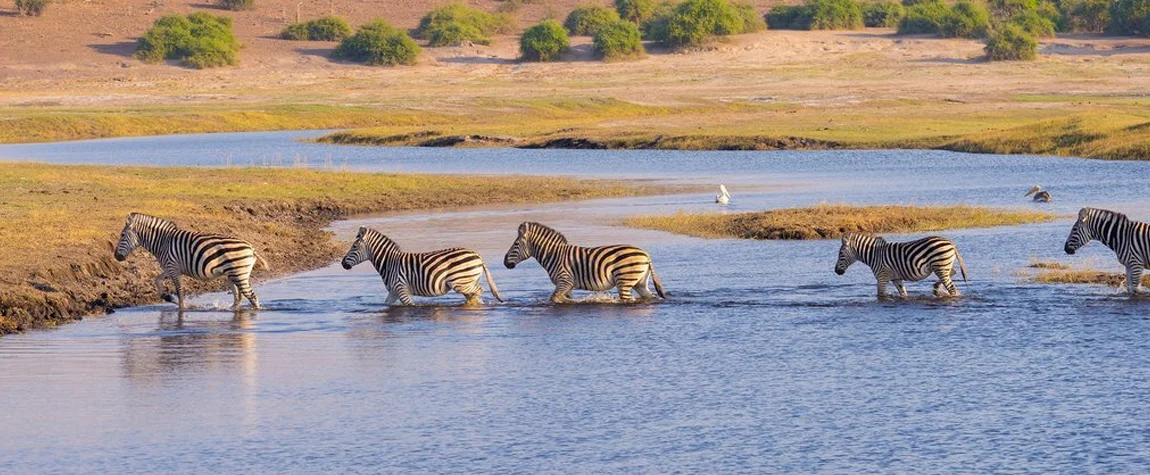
(1010, 42)
(882, 14)
(543, 42)
(830, 221)
(925, 16)
(32, 7)
(378, 43)
(1034, 24)
(635, 11)
(617, 41)
(454, 23)
(236, 5)
(586, 21)
(1084, 15)
(655, 27)
(328, 28)
(965, 20)
(817, 15)
(199, 40)
(1063, 275)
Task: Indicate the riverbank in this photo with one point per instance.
(831, 221)
(1059, 273)
(59, 223)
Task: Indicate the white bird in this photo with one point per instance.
(1040, 195)
(723, 197)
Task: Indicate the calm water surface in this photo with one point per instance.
(763, 361)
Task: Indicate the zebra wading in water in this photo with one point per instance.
(1129, 239)
(198, 255)
(901, 261)
(424, 274)
(596, 269)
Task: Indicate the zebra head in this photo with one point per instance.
(1082, 232)
(358, 251)
(129, 239)
(847, 254)
(519, 251)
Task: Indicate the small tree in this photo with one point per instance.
(328, 28)
(923, 17)
(1010, 43)
(833, 15)
(32, 7)
(1034, 24)
(749, 17)
(1085, 15)
(655, 28)
(635, 11)
(782, 17)
(965, 20)
(199, 40)
(454, 23)
(884, 14)
(1130, 17)
(378, 43)
(697, 21)
(236, 5)
(586, 21)
(618, 40)
(543, 42)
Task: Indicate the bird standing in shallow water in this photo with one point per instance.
(723, 197)
(1040, 195)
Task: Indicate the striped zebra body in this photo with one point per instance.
(1129, 239)
(197, 255)
(423, 274)
(902, 261)
(573, 267)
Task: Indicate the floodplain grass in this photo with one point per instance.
(1084, 276)
(59, 222)
(827, 221)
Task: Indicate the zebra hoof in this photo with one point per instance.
(168, 298)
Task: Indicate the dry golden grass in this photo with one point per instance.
(57, 223)
(1084, 276)
(830, 221)
(1037, 264)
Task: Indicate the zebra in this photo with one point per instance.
(198, 255)
(900, 261)
(1129, 239)
(425, 274)
(586, 268)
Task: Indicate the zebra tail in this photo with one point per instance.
(491, 283)
(961, 265)
(260, 260)
(658, 283)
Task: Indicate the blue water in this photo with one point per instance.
(764, 360)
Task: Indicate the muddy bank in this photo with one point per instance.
(431, 138)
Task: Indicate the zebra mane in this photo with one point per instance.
(150, 222)
(376, 236)
(854, 238)
(1092, 212)
(546, 232)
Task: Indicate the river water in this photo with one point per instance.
(763, 360)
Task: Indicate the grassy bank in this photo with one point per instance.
(58, 223)
(1058, 273)
(830, 221)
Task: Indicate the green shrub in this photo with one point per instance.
(32, 7)
(750, 17)
(635, 11)
(199, 40)
(783, 17)
(695, 22)
(328, 28)
(882, 14)
(543, 42)
(1084, 15)
(1007, 9)
(618, 40)
(236, 5)
(833, 15)
(1008, 42)
(965, 20)
(655, 27)
(911, 3)
(1034, 24)
(586, 21)
(923, 17)
(1130, 17)
(378, 43)
(454, 23)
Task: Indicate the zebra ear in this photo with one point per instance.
(522, 228)
(362, 231)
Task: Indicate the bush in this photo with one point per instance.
(586, 21)
(1034, 24)
(454, 23)
(1131, 17)
(833, 15)
(543, 42)
(1084, 15)
(199, 40)
(965, 20)
(655, 27)
(32, 7)
(236, 5)
(882, 14)
(783, 17)
(635, 11)
(1006, 9)
(750, 17)
(328, 28)
(1009, 42)
(378, 43)
(923, 17)
(694, 22)
(618, 40)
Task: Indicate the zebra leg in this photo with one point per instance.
(641, 287)
(563, 289)
(179, 291)
(245, 287)
(472, 293)
(625, 293)
(159, 281)
(898, 284)
(391, 298)
(881, 288)
(944, 277)
(237, 296)
(403, 294)
(1133, 279)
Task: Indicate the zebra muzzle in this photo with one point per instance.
(1068, 249)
